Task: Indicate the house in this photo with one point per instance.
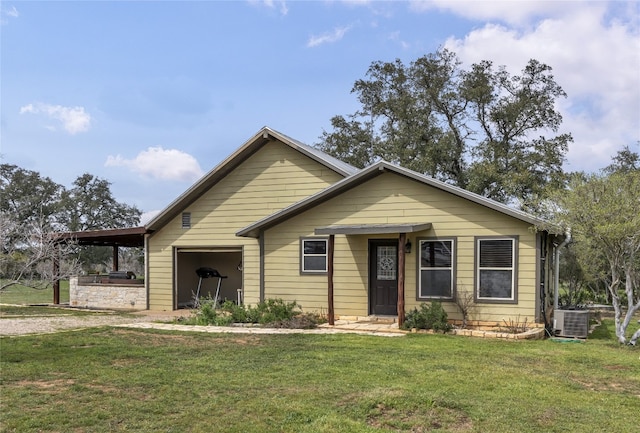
(266, 174)
(279, 219)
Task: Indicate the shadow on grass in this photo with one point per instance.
(605, 331)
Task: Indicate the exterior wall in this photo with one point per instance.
(269, 180)
(107, 296)
(391, 198)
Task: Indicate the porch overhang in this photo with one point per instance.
(372, 229)
(369, 229)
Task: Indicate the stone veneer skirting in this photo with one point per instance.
(120, 296)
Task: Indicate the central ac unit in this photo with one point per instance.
(571, 323)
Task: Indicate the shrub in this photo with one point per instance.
(274, 310)
(515, 326)
(271, 312)
(429, 316)
(300, 321)
(206, 314)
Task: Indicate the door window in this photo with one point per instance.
(386, 266)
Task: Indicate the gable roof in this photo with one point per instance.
(251, 146)
(367, 174)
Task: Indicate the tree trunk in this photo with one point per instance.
(615, 302)
(632, 305)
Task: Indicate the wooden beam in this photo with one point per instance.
(330, 311)
(116, 262)
(402, 240)
(56, 274)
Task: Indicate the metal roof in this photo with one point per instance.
(129, 237)
(368, 173)
(251, 146)
(371, 229)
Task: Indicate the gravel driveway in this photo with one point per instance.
(24, 325)
(42, 324)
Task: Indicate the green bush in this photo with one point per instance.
(206, 314)
(272, 312)
(429, 316)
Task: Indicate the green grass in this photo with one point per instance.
(21, 295)
(113, 379)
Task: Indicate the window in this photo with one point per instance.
(313, 258)
(186, 220)
(387, 266)
(495, 270)
(436, 268)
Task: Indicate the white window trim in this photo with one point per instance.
(513, 269)
(451, 268)
(325, 255)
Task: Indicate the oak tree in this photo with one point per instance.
(481, 128)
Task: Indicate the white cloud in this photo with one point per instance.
(595, 59)
(13, 12)
(73, 119)
(329, 37)
(272, 4)
(512, 11)
(159, 163)
(395, 36)
(148, 216)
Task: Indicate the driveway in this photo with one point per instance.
(30, 325)
(25, 325)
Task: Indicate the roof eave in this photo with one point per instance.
(331, 191)
(374, 170)
(252, 145)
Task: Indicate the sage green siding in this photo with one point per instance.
(267, 181)
(395, 199)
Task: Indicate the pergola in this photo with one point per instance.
(128, 237)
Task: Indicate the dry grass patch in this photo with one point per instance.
(152, 338)
(405, 411)
(609, 386)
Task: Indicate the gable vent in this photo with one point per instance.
(186, 220)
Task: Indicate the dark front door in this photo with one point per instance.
(383, 277)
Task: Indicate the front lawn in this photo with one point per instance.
(113, 379)
(22, 295)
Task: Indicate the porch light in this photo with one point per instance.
(407, 247)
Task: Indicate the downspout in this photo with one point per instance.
(146, 268)
(556, 275)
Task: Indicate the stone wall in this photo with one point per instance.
(124, 296)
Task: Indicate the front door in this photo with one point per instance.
(383, 277)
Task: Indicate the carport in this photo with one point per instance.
(115, 238)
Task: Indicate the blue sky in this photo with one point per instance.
(150, 95)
